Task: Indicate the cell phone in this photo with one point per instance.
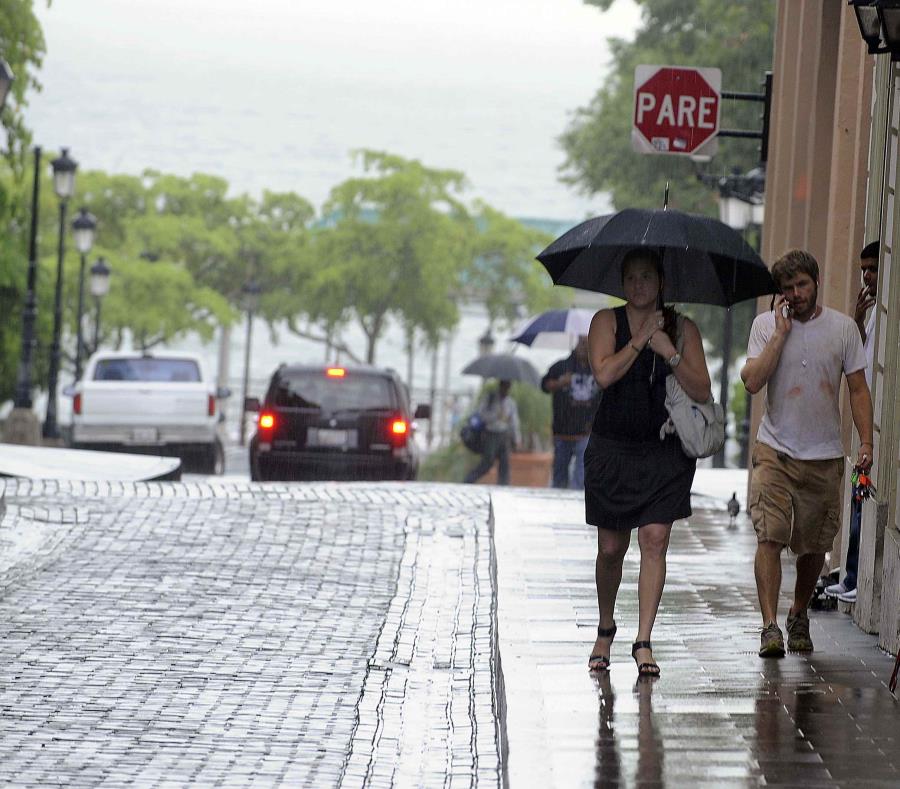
(786, 311)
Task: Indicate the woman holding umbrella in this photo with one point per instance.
(634, 480)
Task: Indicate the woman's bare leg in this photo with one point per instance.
(653, 539)
(611, 549)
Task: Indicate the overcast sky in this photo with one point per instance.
(276, 93)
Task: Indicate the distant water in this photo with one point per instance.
(277, 98)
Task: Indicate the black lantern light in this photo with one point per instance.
(100, 272)
(889, 17)
(64, 167)
(879, 25)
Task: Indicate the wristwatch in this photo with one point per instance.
(674, 360)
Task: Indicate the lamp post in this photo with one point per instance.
(100, 272)
(6, 80)
(83, 229)
(251, 291)
(29, 313)
(741, 204)
(486, 342)
(64, 185)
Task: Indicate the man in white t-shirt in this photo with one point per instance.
(868, 267)
(799, 352)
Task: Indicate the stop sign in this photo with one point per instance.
(676, 109)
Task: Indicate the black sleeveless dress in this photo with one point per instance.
(631, 478)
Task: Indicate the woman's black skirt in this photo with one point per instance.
(629, 484)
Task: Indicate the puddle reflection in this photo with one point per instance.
(649, 767)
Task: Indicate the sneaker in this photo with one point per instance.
(798, 632)
(771, 641)
(836, 590)
(848, 597)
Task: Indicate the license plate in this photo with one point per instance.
(144, 434)
(334, 439)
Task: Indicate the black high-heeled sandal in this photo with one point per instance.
(644, 669)
(601, 662)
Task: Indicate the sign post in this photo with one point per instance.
(676, 110)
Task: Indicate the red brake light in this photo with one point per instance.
(335, 372)
(76, 404)
(210, 405)
(399, 427)
(266, 421)
(398, 432)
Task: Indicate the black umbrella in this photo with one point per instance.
(504, 367)
(705, 260)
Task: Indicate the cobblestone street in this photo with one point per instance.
(223, 633)
(314, 636)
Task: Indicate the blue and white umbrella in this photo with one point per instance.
(555, 328)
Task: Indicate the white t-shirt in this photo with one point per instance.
(869, 346)
(803, 417)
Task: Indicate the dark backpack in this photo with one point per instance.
(472, 433)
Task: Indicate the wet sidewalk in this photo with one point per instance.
(409, 635)
(719, 716)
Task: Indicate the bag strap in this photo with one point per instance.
(679, 333)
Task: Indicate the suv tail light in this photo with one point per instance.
(76, 404)
(266, 421)
(210, 405)
(398, 432)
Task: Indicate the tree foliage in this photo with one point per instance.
(22, 46)
(736, 37)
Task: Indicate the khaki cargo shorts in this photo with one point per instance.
(795, 502)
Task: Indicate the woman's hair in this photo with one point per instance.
(792, 263)
(654, 257)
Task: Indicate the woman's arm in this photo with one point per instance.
(607, 365)
(691, 371)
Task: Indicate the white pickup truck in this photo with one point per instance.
(146, 402)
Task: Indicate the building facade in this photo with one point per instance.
(831, 183)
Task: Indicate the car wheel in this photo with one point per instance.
(213, 459)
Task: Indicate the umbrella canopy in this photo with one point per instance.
(555, 328)
(705, 260)
(504, 367)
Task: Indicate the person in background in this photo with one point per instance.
(799, 352)
(575, 396)
(501, 433)
(845, 590)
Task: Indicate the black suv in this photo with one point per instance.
(334, 423)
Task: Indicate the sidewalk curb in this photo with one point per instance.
(500, 709)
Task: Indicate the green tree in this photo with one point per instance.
(397, 248)
(505, 274)
(735, 37)
(22, 46)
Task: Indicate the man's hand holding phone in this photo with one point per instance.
(783, 316)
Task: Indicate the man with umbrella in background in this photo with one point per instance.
(799, 351)
(575, 395)
(500, 415)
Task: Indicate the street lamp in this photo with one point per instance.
(251, 291)
(879, 25)
(6, 80)
(64, 185)
(741, 204)
(100, 272)
(83, 229)
(486, 342)
(22, 399)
